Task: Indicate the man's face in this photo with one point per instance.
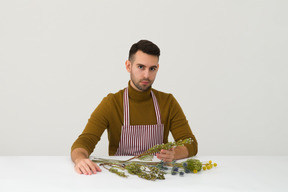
(143, 69)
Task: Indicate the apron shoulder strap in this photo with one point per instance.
(157, 110)
(126, 108)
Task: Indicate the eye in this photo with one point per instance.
(153, 68)
(140, 66)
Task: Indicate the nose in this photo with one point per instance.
(146, 74)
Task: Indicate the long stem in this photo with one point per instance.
(170, 144)
(111, 165)
(134, 157)
(142, 154)
(103, 165)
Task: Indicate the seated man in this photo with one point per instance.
(137, 117)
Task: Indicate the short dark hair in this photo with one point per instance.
(146, 46)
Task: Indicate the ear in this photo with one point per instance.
(128, 66)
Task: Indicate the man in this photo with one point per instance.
(137, 117)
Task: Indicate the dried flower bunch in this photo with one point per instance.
(190, 166)
(157, 148)
(154, 170)
(145, 172)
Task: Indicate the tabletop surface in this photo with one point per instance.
(233, 173)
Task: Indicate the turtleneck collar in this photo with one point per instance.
(137, 95)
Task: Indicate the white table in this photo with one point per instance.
(56, 173)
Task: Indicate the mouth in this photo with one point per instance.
(145, 82)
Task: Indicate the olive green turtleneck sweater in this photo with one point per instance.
(109, 115)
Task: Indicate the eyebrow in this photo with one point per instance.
(139, 64)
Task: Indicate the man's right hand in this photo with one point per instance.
(83, 165)
(86, 167)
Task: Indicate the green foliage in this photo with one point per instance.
(145, 172)
(194, 164)
(157, 148)
(153, 170)
(167, 146)
(115, 170)
(146, 158)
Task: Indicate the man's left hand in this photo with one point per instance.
(166, 155)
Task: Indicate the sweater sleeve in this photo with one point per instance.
(180, 128)
(95, 127)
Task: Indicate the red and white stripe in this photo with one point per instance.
(135, 139)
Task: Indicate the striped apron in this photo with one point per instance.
(135, 139)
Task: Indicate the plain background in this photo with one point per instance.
(224, 61)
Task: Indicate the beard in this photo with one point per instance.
(139, 86)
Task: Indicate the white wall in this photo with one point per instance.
(225, 62)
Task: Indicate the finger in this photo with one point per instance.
(91, 167)
(166, 155)
(98, 168)
(80, 170)
(163, 151)
(77, 169)
(173, 151)
(165, 158)
(83, 170)
(168, 159)
(162, 157)
(166, 152)
(86, 169)
(94, 167)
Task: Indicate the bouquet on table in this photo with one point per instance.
(154, 170)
